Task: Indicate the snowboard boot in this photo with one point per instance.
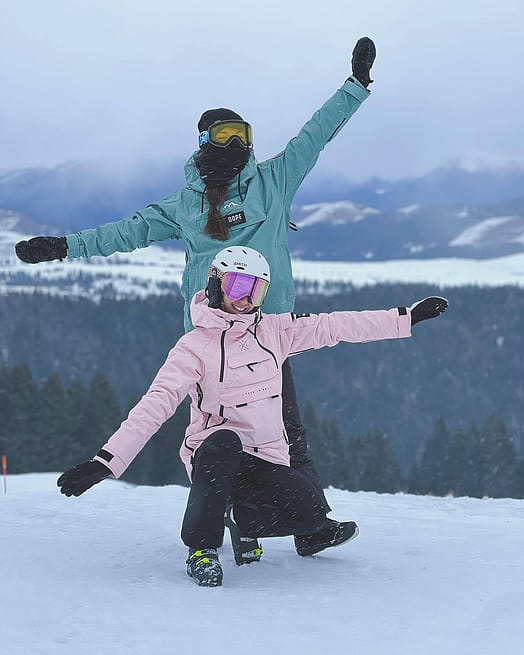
(204, 567)
(331, 534)
(245, 549)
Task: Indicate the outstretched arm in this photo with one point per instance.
(302, 152)
(177, 376)
(300, 332)
(170, 386)
(156, 222)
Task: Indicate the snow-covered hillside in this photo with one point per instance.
(105, 574)
(157, 270)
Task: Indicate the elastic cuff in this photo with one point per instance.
(116, 465)
(73, 246)
(404, 324)
(355, 88)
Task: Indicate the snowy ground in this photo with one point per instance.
(157, 271)
(104, 574)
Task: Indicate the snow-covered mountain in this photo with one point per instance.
(459, 210)
(462, 181)
(156, 270)
(346, 230)
(75, 195)
(105, 574)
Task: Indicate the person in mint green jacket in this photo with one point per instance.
(232, 199)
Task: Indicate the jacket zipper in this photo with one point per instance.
(200, 395)
(223, 352)
(222, 365)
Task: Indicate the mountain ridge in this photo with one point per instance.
(448, 212)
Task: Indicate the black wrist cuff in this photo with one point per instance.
(103, 454)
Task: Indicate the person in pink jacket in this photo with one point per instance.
(236, 449)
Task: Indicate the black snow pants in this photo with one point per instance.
(269, 500)
(296, 432)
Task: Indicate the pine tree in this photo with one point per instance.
(355, 469)
(520, 478)
(435, 473)
(51, 441)
(76, 401)
(381, 472)
(326, 448)
(6, 419)
(473, 463)
(333, 461)
(100, 418)
(22, 421)
(466, 453)
(500, 469)
(371, 464)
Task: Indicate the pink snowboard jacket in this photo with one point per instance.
(230, 365)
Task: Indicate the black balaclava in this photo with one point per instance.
(218, 166)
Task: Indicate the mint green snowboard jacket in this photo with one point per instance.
(257, 205)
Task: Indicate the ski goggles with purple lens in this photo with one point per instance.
(221, 133)
(240, 285)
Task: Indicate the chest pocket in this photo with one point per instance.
(249, 377)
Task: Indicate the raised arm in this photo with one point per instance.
(157, 222)
(302, 152)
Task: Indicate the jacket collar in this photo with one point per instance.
(195, 182)
(205, 317)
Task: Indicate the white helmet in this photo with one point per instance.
(242, 259)
(237, 259)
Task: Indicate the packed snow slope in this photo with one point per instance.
(104, 574)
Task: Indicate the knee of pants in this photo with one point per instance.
(221, 441)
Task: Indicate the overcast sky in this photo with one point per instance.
(84, 79)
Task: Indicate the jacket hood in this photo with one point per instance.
(196, 183)
(203, 316)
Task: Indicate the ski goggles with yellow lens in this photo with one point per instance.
(240, 285)
(221, 133)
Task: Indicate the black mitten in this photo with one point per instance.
(41, 249)
(82, 477)
(427, 308)
(364, 54)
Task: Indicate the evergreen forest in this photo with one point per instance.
(53, 427)
(440, 413)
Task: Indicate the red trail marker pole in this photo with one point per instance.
(4, 471)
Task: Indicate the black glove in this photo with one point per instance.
(41, 249)
(427, 308)
(364, 54)
(82, 477)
